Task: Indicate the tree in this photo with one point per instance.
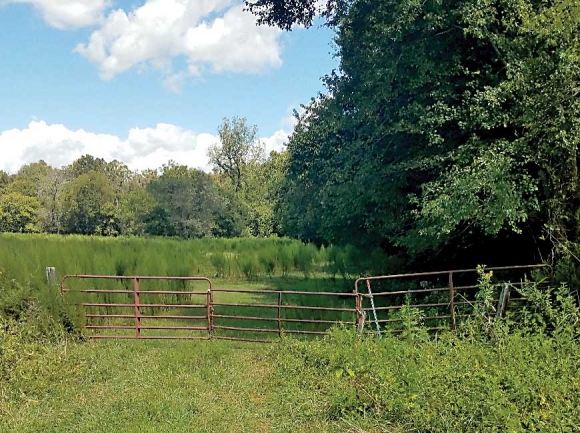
(288, 13)
(188, 202)
(85, 164)
(4, 180)
(88, 205)
(261, 194)
(28, 178)
(238, 149)
(449, 124)
(134, 208)
(18, 213)
(119, 175)
(50, 189)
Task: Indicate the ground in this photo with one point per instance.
(152, 386)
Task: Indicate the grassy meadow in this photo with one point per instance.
(258, 264)
(490, 375)
(25, 257)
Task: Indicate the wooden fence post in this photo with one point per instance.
(51, 276)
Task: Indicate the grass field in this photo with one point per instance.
(258, 264)
(336, 385)
(25, 258)
(491, 375)
(151, 387)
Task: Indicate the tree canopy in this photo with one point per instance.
(448, 123)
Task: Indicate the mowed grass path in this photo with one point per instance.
(152, 386)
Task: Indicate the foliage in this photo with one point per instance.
(238, 148)
(441, 385)
(453, 124)
(287, 14)
(93, 196)
(247, 179)
(88, 205)
(18, 213)
(26, 256)
(524, 378)
(187, 202)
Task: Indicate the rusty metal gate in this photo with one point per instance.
(114, 307)
(443, 296)
(132, 312)
(150, 307)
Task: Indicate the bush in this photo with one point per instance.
(513, 374)
(303, 257)
(284, 260)
(250, 266)
(267, 257)
(220, 264)
(443, 385)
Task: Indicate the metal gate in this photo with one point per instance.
(149, 307)
(114, 308)
(227, 314)
(445, 297)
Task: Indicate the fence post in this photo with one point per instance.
(280, 314)
(51, 276)
(209, 302)
(373, 307)
(358, 305)
(504, 298)
(451, 301)
(137, 309)
(360, 314)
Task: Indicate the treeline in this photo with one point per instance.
(94, 197)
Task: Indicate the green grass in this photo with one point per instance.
(25, 258)
(483, 378)
(148, 386)
(264, 264)
(519, 383)
(340, 384)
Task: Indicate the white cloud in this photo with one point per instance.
(143, 148)
(276, 142)
(215, 35)
(64, 14)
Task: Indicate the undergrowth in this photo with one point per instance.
(514, 374)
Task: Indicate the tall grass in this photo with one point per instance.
(25, 257)
(277, 264)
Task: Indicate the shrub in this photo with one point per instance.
(442, 385)
(284, 260)
(250, 266)
(267, 257)
(303, 257)
(220, 264)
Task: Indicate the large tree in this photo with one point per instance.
(238, 149)
(448, 124)
(18, 213)
(27, 180)
(50, 189)
(188, 202)
(88, 205)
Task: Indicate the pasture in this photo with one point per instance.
(489, 375)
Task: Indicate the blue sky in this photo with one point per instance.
(145, 80)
